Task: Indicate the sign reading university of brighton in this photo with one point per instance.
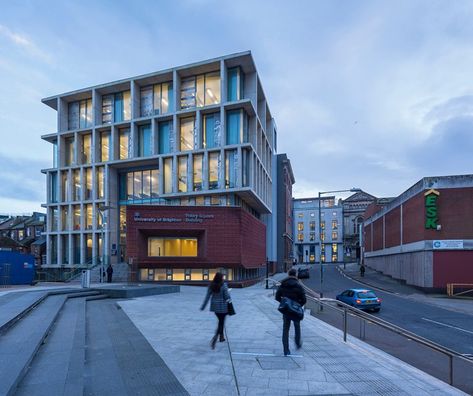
(188, 218)
(431, 210)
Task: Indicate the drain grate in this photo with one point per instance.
(277, 363)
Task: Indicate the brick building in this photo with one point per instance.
(176, 243)
(425, 235)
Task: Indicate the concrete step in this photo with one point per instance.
(119, 360)
(57, 368)
(20, 343)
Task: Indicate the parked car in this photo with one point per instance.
(303, 273)
(361, 298)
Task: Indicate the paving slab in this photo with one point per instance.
(180, 333)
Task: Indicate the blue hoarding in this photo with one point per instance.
(16, 268)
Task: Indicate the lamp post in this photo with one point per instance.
(320, 235)
(102, 210)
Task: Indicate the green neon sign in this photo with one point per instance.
(431, 210)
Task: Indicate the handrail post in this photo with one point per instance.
(345, 325)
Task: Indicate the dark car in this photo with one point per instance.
(303, 273)
(361, 298)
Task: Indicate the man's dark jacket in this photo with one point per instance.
(291, 288)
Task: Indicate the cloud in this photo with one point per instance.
(24, 43)
(21, 179)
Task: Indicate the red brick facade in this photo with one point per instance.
(227, 236)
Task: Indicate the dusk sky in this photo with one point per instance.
(368, 94)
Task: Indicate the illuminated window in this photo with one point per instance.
(322, 236)
(322, 257)
(214, 200)
(65, 217)
(88, 183)
(197, 175)
(230, 168)
(124, 142)
(312, 237)
(334, 235)
(312, 225)
(156, 99)
(167, 175)
(322, 224)
(334, 248)
(196, 274)
(187, 133)
(172, 247)
(334, 258)
(100, 175)
(86, 154)
(182, 174)
(105, 147)
(178, 274)
(88, 217)
(300, 237)
(159, 274)
(65, 188)
(214, 165)
(201, 90)
(334, 224)
(116, 106)
(76, 215)
(69, 151)
(300, 226)
(300, 215)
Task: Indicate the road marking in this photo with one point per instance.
(261, 354)
(446, 325)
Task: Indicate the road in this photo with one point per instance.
(453, 330)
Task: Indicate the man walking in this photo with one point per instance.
(292, 289)
(109, 273)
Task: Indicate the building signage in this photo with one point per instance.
(188, 218)
(448, 244)
(431, 210)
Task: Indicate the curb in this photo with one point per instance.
(364, 282)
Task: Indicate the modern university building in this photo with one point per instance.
(172, 172)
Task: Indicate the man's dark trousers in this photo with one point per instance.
(285, 333)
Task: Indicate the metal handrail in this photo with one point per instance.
(384, 324)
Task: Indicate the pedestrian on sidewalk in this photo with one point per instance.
(292, 289)
(109, 273)
(362, 270)
(219, 297)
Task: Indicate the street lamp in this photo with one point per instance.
(102, 210)
(320, 235)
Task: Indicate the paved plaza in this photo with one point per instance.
(252, 362)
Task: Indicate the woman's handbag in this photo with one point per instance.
(230, 309)
(292, 309)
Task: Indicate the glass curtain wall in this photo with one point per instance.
(76, 188)
(167, 175)
(211, 130)
(65, 186)
(100, 179)
(182, 174)
(164, 137)
(69, 151)
(88, 216)
(53, 190)
(124, 142)
(237, 127)
(76, 216)
(214, 166)
(197, 174)
(105, 146)
(116, 107)
(86, 154)
(144, 141)
(201, 90)
(65, 218)
(156, 99)
(187, 134)
(80, 114)
(234, 84)
(231, 167)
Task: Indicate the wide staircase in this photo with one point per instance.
(72, 341)
(121, 273)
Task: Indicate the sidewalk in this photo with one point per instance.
(252, 362)
(377, 280)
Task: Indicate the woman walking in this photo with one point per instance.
(219, 298)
